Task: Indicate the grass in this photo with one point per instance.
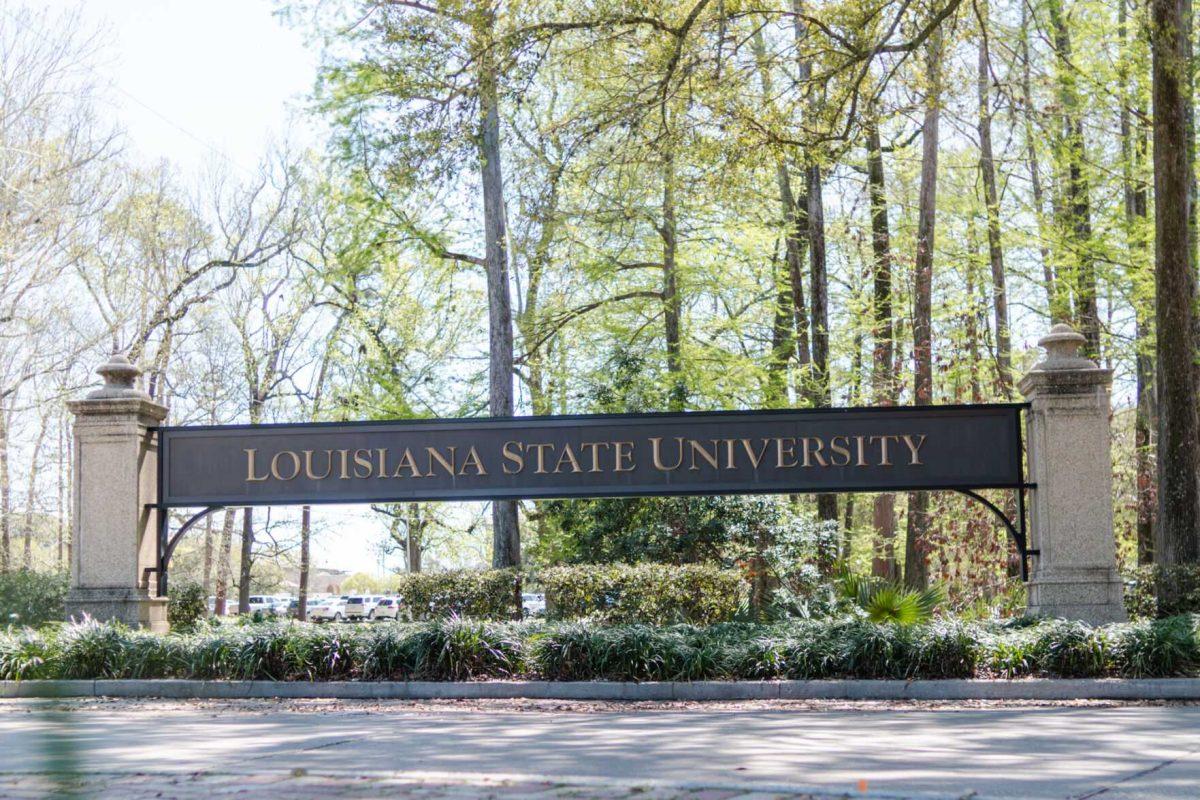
(465, 649)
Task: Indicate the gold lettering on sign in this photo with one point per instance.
(540, 448)
(884, 458)
(250, 476)
(513, 456)
(308, 466)
(567, 456)
(433, 454)
(362, 461)
(275, 472)
(755, 458)
(472, 460)
(656, 454)
(839, 450)
(698, 449)
(808, 450)
(861, 449)
(345, 464)
(622, 452)
(595, 448)
(914, 447)
(782, 452)
(409, 463)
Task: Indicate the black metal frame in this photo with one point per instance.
(1016, 528)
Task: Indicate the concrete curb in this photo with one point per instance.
(1032, 689)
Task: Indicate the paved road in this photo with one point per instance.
(405, 750)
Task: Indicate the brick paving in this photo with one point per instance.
(303, 785)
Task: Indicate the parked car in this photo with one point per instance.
(362, 606)
(264, 603)
(388, 608)
(533, 604)
(332, 609)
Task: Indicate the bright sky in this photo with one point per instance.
(198, 81)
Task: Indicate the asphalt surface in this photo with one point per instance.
(338, 748)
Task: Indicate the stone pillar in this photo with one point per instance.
(1075, 574)
(116, 480)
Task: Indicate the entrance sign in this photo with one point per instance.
(793, 451)
(130, 473)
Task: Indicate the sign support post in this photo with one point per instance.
(113, 553)
(1070, 465)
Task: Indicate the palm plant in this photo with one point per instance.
(885, 601)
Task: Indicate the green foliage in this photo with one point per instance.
(1163, 591)
(489, 593)
(1072, 650)
(657, 594)
(883, 601)
(466, 649)
(662, 529)
(1159, 648)
(32, 598)
(187, 605)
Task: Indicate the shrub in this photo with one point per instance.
(187, 604)
(653, 594)
(1158, 648)
(1160, 591)
(1071, 650)
(466, 649)
(487, 594)
(32, 598)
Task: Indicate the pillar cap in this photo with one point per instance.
(119, 376)
(1062, 346)
(1063, 371)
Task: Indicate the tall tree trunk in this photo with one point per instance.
(62, 496)
(916, 567)
(827, 507)
(991, 198)
(31, 490)
(795, 226)
(305, 563)
(5, 495)
(776, 394)
(1134, 150)
(413, 541)
(208, 554)
(672, 303)
(883, 377)
(1076, 210)
(506, 533)
(1055, 302)
(1177, 540)
(224, 556)
(247, 560)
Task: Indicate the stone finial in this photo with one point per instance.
(1062, 345)
(119, 376)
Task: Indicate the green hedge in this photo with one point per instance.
(654, 594)
(32, 598)
(465, 649)
(487, 594)
(1144, 586)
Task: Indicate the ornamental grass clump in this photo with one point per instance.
(1069, 649)
(27, 655)
(1158, 648)
(467, 649)
(462, 649)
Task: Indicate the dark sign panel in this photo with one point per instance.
(937, 447)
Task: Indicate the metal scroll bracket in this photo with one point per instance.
(1017, 531)
(167, 543)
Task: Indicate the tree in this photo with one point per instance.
(1178, 535)
(916, 575)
